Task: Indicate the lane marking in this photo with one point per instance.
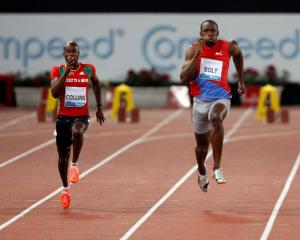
(135, 227)
(160, 137)
(280, 200)
(22, 133)
(27, 210)
(264, 135)
(34, 149)
(24, 154)
(17, 120)
(170, 136)
(132, 144)
(95, 167)
(233, 139)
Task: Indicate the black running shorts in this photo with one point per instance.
(64, 131)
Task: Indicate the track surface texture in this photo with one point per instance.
(139, 180)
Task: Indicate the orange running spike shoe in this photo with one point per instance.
(65, 198)
(74, 174)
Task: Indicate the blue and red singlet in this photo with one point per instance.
(210, 82)
(73, 100)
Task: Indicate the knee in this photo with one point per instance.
(77, 135)
(202, 150)
(63, 160)
(216, 121)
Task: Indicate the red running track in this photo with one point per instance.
(139, 180)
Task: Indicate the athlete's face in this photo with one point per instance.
(71, 54)
(209, 33)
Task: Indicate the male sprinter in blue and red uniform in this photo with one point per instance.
(69, 83)
(206, 68)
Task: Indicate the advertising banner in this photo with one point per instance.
(116, 43)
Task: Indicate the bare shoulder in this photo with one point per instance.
(233, 48)
(189, 53)
(94, 77)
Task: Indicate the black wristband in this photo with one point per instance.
(99, 105)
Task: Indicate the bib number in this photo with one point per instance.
(75, 96)
(211, 69)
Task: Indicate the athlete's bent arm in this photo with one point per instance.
(57, 84)
(189, 67)
(97, 93)
(238, 60)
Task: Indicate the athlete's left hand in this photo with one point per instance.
(241, 89)
(100, 116)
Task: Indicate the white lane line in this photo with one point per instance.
(129, 233)
(280, 200)
(100, 164)
(170, 136)
(233, 139)
(265, 135)
(24, 154)
(17, 120)
(27, 210)
(239, 123)
(32, 150)
(132, 144)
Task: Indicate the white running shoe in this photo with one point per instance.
(203, 182)
(218, 176)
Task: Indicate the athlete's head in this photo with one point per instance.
(71, 51)
(209, 32)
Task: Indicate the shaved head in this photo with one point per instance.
(208, 21)
(71, 54)
(71, 44)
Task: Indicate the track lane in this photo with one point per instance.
(108, 202)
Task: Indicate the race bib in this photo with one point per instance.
(211, 69)
(75, 96)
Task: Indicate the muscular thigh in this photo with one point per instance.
(203, 112)
(201, 123)
(219, 109)
(64, 128)
(64, 133)
(81, 124)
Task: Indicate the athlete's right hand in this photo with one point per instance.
(199, 48)
(70, 62)
(100, 116)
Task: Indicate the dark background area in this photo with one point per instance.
(187, 6)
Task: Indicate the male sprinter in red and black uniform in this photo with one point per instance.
(206, 66)
(69, 83)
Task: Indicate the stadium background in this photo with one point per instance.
(285, 16)
(138, 181)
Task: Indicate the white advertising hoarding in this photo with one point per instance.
(115, 43)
